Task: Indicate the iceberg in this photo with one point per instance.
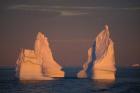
(101, 59)
(135, 65)
(38, 64)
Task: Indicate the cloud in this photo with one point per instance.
(62, 10)
(72, 13)
(133, 8)
(66, 10)
(46, 7)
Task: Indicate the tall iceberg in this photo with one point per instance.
(38, 64)
(101, 59)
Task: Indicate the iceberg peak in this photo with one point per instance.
(106, 28)
(38, 64)
(101, 59)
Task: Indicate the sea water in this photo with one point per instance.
(127, 81)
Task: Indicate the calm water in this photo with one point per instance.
(128, 81)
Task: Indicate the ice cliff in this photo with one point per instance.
(101, 59)
(38, 64)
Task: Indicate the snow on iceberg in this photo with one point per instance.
(38, 64)
(101, 59)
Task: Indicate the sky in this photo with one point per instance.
(70, 25)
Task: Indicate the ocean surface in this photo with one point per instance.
(127, 81)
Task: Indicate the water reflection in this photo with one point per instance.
(126, 82)
(102, 86)
(104, 82)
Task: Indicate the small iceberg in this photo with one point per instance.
(38, 64)
(101, 59)
(135, 65)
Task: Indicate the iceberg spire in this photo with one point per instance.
(42, 49)
(101, 59)
(38, 64)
